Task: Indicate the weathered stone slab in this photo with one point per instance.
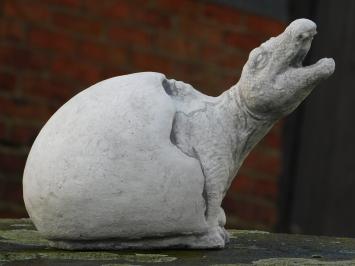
(20, 244)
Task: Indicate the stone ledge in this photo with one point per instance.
(20, 243)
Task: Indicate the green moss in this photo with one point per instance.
(70, 255)
(236, 233)
(300, 261)
(22, 236)
(22, 225)
(13, 256)
(118, 264)
(16, 221)
(9, 224)
(151, 258)
(185, 254)
(231, 264)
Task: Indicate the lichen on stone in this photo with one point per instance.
(14, 256)
(300, 261)
(117, 264)
(9, 224)
(235, 233)
(231, 264)
(22, 236)
(71, 255)
(151, 258)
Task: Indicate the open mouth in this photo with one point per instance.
(305, 41)
(300, 34)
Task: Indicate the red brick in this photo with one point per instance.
(33, 11)
(12, 56)
(250, 211)
(130, 36)
(113, 71)
(22, 109)
(278, 126)
(257, 187)
(12, 30)
(37, 61)
(59, 42)
(222, 14)
(226, 80)
(176, 6)
(10, 191)
(189, 72)
(10, 163)
(24, 134)
(150, 62)
(102, 53)
(231, 79)
(152, 18)
(273, 140)
(125, 11)
(177, 46)
(2, 130)
(6, 212)
(78, 70)
(264, 163)
(232, 61)
(7, 81)
(49, 89)
(77, 24)
(264, 26)
(21, 58)
(210, 53)
(244, 41)
(206, 34)
(115, 10)
(94, 51)
(66, 3)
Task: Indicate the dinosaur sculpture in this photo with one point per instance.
(142, 161)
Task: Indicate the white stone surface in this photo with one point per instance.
(142, 161)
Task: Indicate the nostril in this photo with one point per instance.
(306, 36)
(303, 36)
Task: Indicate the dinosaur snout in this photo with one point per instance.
(299, 35)
(302, 29)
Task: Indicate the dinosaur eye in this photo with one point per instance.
(261, 60)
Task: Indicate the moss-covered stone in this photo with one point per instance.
(9, 224)
(87, 256)
(119, 264)
(300, 261)
(22, 236)
(231, 264)
(70, 255)
(235, 233)
(14, 256)
(20, 243)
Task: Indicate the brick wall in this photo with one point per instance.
(52, 49)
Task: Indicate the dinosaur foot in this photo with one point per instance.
(214, 238)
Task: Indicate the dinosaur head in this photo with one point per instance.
(274, 81)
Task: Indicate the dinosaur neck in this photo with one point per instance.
(248, 128)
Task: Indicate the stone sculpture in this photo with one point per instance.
(142, 161)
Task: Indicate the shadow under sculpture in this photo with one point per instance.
(142, 161)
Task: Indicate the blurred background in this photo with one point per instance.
(299, 179)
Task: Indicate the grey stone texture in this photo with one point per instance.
(142, 161)
(21, 244)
